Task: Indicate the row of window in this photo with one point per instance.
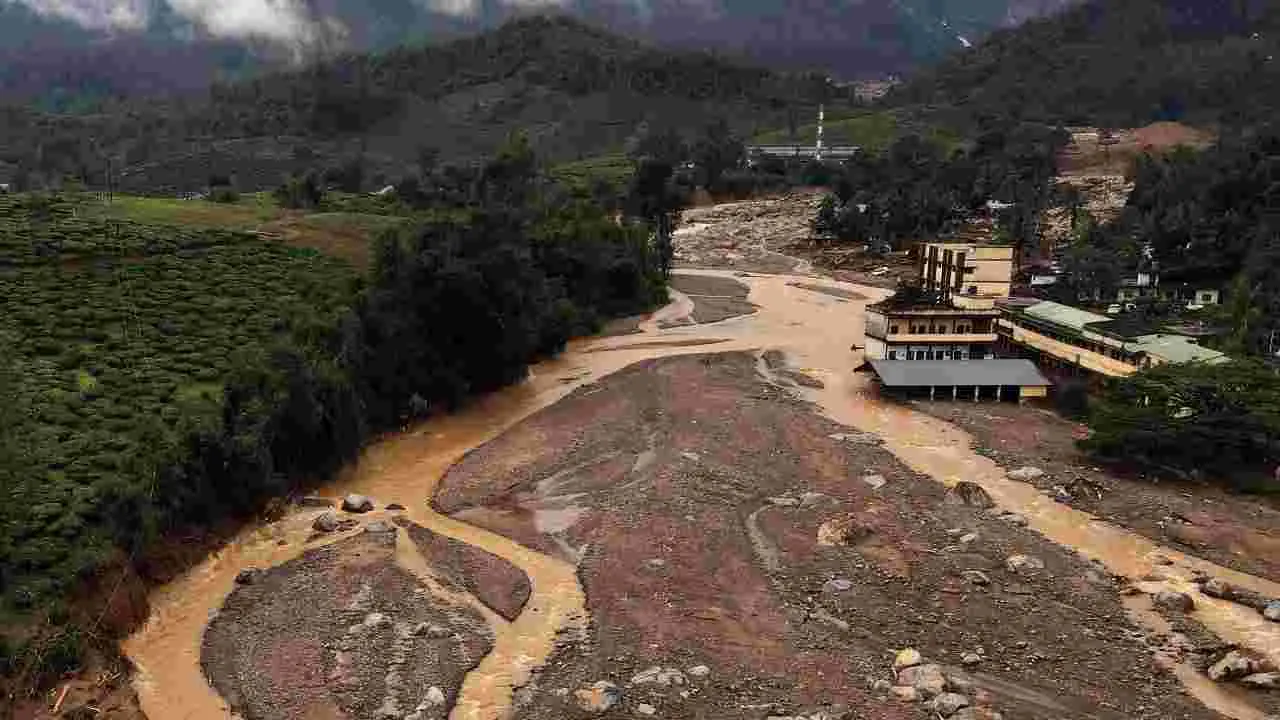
(926, 329)
(959, 353)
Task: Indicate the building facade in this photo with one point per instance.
(969, 272)
(908, 329)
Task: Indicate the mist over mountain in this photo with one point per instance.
(66, 54)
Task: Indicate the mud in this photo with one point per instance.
(334, 634)
(1241, 532)
(680, 462)
(714, 299)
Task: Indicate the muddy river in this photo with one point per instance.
(816, 330)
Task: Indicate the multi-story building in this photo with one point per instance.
(920, 326)
(971, 274)
(952, 315)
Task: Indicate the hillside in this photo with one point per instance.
(1119, 64)
(576, 90)
(68, 56)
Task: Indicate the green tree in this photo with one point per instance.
(1217, 421)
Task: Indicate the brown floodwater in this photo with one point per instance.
(816, 329)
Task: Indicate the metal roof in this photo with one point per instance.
(1176, 349)
(945, 373)
(1063, 315)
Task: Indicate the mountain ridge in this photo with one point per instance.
(48, 59)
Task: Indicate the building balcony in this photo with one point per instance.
(934, 338)
(1066, 352)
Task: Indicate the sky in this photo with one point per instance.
(285, 21)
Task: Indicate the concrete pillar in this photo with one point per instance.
(976, 388)
(999, 393)
(933, 391)
(955, 392)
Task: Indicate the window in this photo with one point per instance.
(893, 329)
(962, 329)
(973, 289)
(1206, 298)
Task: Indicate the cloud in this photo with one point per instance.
(94, 14)
(287, 22)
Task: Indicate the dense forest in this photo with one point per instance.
(576, 90)
(917, 189)
(1117, 64)
(162, 379)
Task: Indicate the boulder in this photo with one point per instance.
(814, 499)
(395, 506)
(248, 576)
(910, 657)
(325, 523)
(646, 709)
(970, 659)
(1233, 665)
(1217, 588)
(968, 538)
(976, 577)
(875, 481)
(947, 704)
(1026, 473)
(970, 494)
(843, 530)
(434, 698)
(311, 501)
(1174, 601)
(1023, 563)
(380, 527)
(1272, 611)
(1262, 681)
(598, 698)
(906, 693)
(698, 671)
(656, 675)
(354, 503)
(928, 680)
(837, 585)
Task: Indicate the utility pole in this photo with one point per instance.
(817, 150)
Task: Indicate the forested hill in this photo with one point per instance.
(576, 90)
(1120, 63)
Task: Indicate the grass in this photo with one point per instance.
(246, 214)
(615, 169)
(874, 131)
(345, 235)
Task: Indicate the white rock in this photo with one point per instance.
(875, 481)
(947, 704)
(971, 659)
(837, 585)
(1023, 563)
(814, 499)
(1272, 611)
(968, 538)
(906, 693)
(1026, 473)
(646, 709)
(354, 503)
(784, 501)
(376, 619)
(1264, 681)
(435, 697)
(698, 671)
(1232, 666)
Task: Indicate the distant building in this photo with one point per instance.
(831, 152)
(5, 188)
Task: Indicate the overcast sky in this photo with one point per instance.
(288, 21)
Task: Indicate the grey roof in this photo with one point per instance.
(945, 373)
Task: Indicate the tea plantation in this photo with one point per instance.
(116, 342)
